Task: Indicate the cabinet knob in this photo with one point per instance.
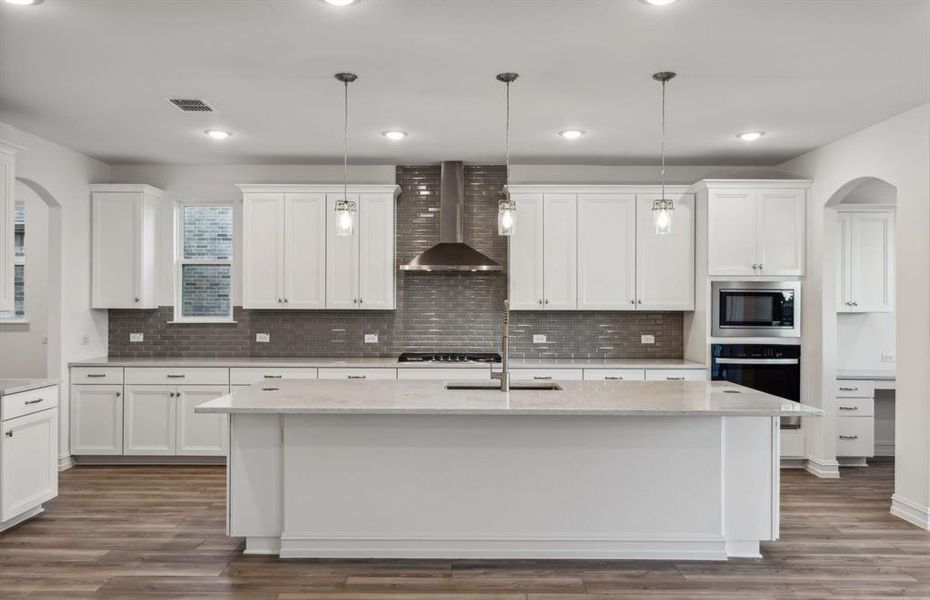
(760, 266)
(118, 394)
(285, 300)
(279, 301)
(359, 300)
(9, 433)
(632, 301)
(755, 266)
(639, 301)
(136, 300)
(547, 300)
(354, 300)
(540, 300)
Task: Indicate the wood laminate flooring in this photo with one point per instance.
(158, 532)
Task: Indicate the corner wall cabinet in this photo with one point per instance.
(595, 248)
(124, 240)
(7, 217)
(292, 259)
(866, 260)
(754, 227)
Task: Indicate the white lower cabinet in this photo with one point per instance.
(96, 419)
(854, 409)
(160, 420)
(200, 434)
(357, 373)
(546, 374)
(28, 455)
(676, 375)
(614, 375)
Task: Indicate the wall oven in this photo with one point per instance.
(756, 308)
(771, 368)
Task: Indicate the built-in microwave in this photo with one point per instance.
(756, 308)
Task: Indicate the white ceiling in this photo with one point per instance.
(94, 75)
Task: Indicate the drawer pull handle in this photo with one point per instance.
(849, 389)
(36, 401)
(674, 378)
(356, 377)
(849, 437)
(96, 375)
(542, 377)
(273, 376)
(849, 408)
(169, 376)
(613, 377)
(9, 433)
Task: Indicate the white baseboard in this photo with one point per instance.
(825, 469)
(65, 462)
(793, 463)
(149, 460)
(911, 512)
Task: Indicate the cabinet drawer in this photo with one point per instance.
(186, 376)
(855, 407)
(357, 373)
(614, 375)
(855, 436)
(97, 375)
(25, 403)
(546, 374)
(676, 375)
(250, 375)
(855, 388)
(445, 374)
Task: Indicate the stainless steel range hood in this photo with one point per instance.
(451, 253)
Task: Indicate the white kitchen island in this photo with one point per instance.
(596, 470)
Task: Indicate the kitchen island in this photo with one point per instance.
(594, 469)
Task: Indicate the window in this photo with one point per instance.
(19, 266)
(203, 264)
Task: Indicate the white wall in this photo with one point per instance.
(217, 183)
(898, 151)
(862, 338)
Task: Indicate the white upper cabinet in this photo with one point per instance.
(665, 263)
(866, 261)
(526, 254)
(123, 271)
(607, 251)
(755, 228)
(293, 259)
(560, 236)
(7, 200)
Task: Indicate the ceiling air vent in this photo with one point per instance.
(191, 104)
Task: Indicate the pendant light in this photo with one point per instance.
(506, 208)
(345, 208)
(662, 207)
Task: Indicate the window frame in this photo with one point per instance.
(180, 262)
(12, 317)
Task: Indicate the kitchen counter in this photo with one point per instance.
(15, 386)
(608, 398)
(389, 362)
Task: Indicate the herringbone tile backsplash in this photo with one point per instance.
(435, 311)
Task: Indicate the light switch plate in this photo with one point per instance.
(262, 338)
(371, 338)
(539, 338)
(136, 337)
(647, 339)
(887, 357)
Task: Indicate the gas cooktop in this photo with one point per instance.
(450, 357)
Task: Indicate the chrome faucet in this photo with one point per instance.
(504, 375)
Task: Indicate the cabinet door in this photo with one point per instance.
(28, 462)
(780, 235)
(116, 249)
(96, 419)
(376, 252)
(871, 262)
(263, 251)
(150, 419)
(560, 251)
(606, 251)
(201, 434)
(526, 254)
(665, 263)
(341, 259)
(844, 270)
(305, 251)
(731, 227)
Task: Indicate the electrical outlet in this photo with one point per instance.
(647, 339)
(85, 340)
(136, 337)
(887, 357)
(262, 338)
(371, 338)
(539, 338)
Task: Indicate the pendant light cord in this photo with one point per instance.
(664, 83)
(508, 133)
(345, 145)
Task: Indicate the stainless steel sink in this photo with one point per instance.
(496, 386)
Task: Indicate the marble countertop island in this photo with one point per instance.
(385, 397)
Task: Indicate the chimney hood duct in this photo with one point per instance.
(451, 253)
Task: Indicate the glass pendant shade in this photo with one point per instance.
(506, 218)
(662, 216)
(345, 218)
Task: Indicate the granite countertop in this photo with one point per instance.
(609, 398)
(14, 386)
(883, 374)
(391, 362)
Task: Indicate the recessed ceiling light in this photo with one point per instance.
(657, 2)
(341, 2)
(571, 134)
(395, 135)
(217, 134)
(750, 136)
(24, 2)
